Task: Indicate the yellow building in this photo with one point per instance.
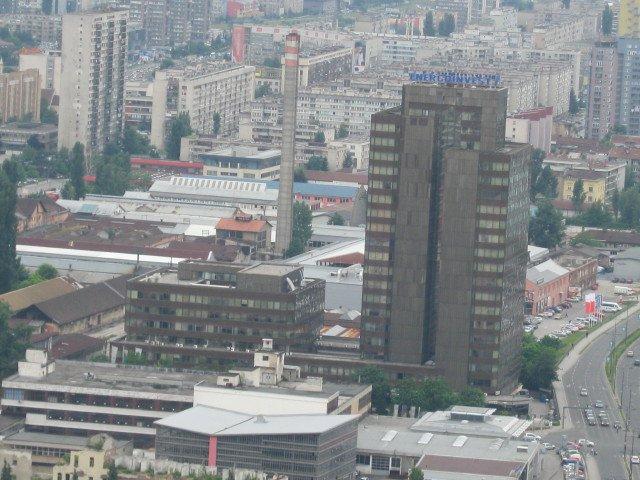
(595, 185)
(92, 463)
(629, 19)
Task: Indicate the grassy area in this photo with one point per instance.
(612, 363)
(570, 340)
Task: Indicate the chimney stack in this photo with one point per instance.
(290, 94)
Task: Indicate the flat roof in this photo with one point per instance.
(219, 422)
(245, 152)
(73, 374)
(68, 442)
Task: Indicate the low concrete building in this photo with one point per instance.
(91, 462)
(302, 447)
(533, 127)
(16, 136)
(37, 212)
(244, 229)
(547, 285)
(21, 301)
(240, 162)
(461, 443)
(20, 96)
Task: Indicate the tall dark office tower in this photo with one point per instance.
(446, 241)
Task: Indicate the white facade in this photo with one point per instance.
(48, 64)
(94, 50)
(201, 91)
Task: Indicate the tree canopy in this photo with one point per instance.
(180, 127)
(574, 105)
(316, 162)
(13, 342)
(75, 187)
(447, 25)
(134, 143)
(578, 195)
(8, 225)
(429, 29)
(301, 231)
(546, 227)
(539, 359)
(607, 20)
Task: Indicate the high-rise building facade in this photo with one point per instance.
(629, 84)
(446, 241)
(94, 51)
(629, 18)
(603, 89)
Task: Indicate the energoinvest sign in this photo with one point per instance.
(456, 78)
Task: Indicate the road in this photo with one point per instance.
(628, 393)
(588, 372)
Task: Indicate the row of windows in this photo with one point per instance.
(376, 170)
(382, 184)
(375, 298)
(489, 253)
(381, 213)
(494, 166)
(488, 267)
(217, 301)
(491, 209)
(381, 284)
(482, 310)
(383, 156)
(490, 238)
(495, 181)
(378, 198)
(372, 255)
(383, 141)
(486, 296)
(376, 270)
(383, 127)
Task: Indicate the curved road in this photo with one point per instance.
(588, 372)
(628, 393)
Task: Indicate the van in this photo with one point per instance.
(622, 290)
(611, 305)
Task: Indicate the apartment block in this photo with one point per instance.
(602, 114)
(47, 62)
(533, 127)
(138, 104)
(94, 51)
(45, 29)
(446, 238)
(629, 86)
(202, 91)
(20, 96)
(323, 65)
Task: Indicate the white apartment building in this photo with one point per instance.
(94, 51)
(201, 90)
(332, 107)
(138, 104)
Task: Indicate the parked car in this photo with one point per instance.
(531, 437)
(583, 392)
(630, 353)
(636, 362)
(549, 446)
(604, 421)
(635, 460)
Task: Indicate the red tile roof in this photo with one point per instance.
(241, 226)
(30, 51)
(158, 162)
(535, 114)
(627, 153)
(318, 176)
(354, 258)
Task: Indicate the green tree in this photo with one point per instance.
(216, 123)
(546, 227)
(416, 474)
(607, 20)
(112, 174)
(630, 208)
(77, 167)
(134, 358)
(180, 127)
(574, 105)
(471, 396)
(629, 177)
(272, 62)
(447, 25)
(13, 342)
(380, 391)
(6, 472)
(578, 195)
(348, 162)
(112, 471)
(166, 63)
(538, 363)
(34, 143)
(343, 131)
(14, 170)
(263, 90)
(74, 476)
(429, 29)
(617, 129)
(8, 224)
(546, 184)
(47, 271)
(337, 219)
(615, 203)
(318, 163)
(585, 238)
(301, 231)
(133, 142)
(47, 114)
(299, 175)
(596, 215)
(319, 137)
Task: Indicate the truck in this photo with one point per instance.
(622, 290)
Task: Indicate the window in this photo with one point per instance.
(91, 461)
(75, 460)
(360, 460)
(265, 358)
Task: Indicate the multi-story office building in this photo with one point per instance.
(603, 89)
(226, 305)
(629, 85)
(202, 91)
(302, 447)
(94, 52)
(629, 19)
(446, 239)
(20, 96)
(240, 162)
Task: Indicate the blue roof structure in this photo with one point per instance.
(319, 189)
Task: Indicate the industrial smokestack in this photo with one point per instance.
(290, 95)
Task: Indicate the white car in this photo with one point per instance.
(549, 446)
(635, 460)
(531, 437)
(583, 392)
